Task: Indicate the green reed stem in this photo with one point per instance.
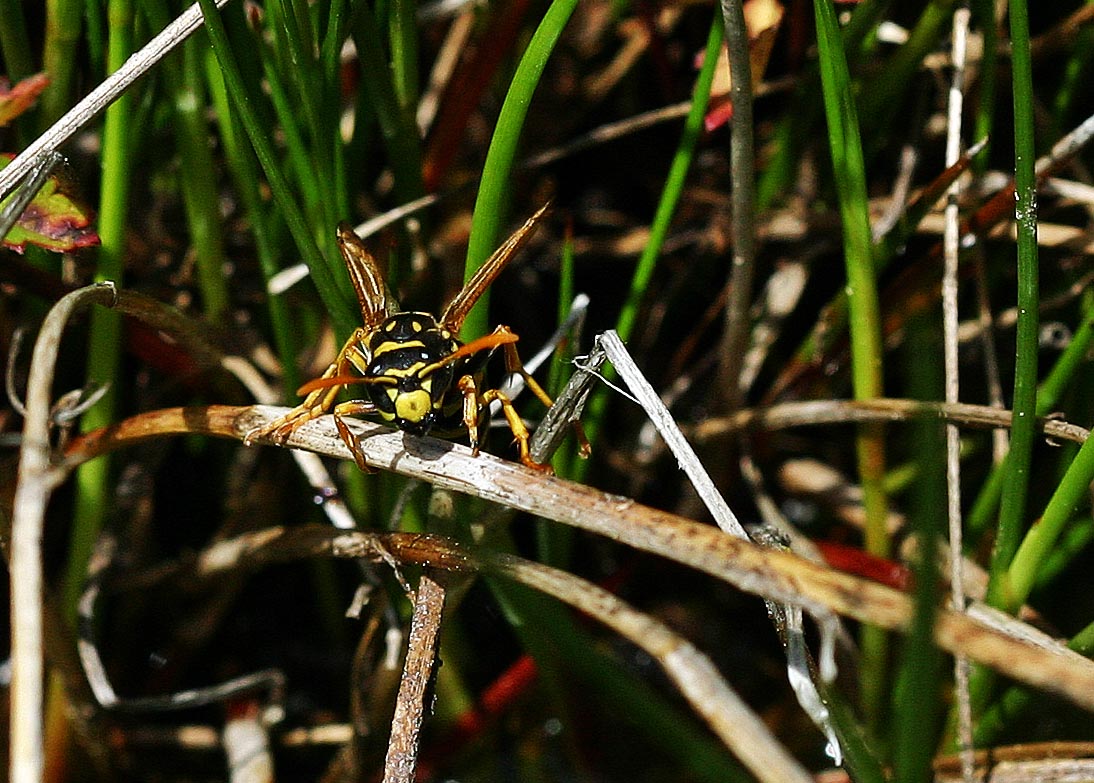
(340, 305)
(866, 348)
(14, 41)
(1012, 510)
(199, 186)
(492, 203)
(93, 485)
(63, 23)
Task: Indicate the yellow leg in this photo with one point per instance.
(514, 364)
(314, 405)
(471, 406)
(353, 443)
(516, 425)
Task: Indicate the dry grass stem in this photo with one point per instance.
(828, 412)
(411, 703)
(1039, 762)
(37, 478)
(951, 261)
(778, 576)
(693, 673)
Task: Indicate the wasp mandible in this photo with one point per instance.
(417, 373)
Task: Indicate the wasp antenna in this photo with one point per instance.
(461, 305)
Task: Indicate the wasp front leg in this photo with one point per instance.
(471, 407)
(317, 402)
(353, 443)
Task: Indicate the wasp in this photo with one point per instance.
(417, 373)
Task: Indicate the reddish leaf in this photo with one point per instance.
(16, 100)
(52, 221)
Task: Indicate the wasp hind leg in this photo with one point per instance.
(516, 426)
(513, 364)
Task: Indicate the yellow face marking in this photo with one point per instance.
(413, 406)
(392, 345)
(417, 327)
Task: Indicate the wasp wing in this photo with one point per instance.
(461, 305)
(375, 299)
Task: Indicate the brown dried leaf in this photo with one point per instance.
(16, 100)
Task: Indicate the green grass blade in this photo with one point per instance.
(1012, 510)
(674, 185)
(93, 484)
(310, 87)
(334, 294)
(330, 64)
(63, 23)
(862, 299)
(985, 21)
(1049, 394)
(666, 208)
(1037, 546)
(1015, 481)
(917, 696)
(14, 41)
(397, 127)
(199, 186)
(244, 169)
(403, 36)
(885, 97)
(795, 131)
(492, 203)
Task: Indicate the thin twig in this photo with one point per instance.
(222, 421)
(421, 657)
(1000, 441)
(951, 260)
(37, 177)
(827, 412)
(36, 481)
(997, 640)
(743, 198)
(685, 455)
(729, 717)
